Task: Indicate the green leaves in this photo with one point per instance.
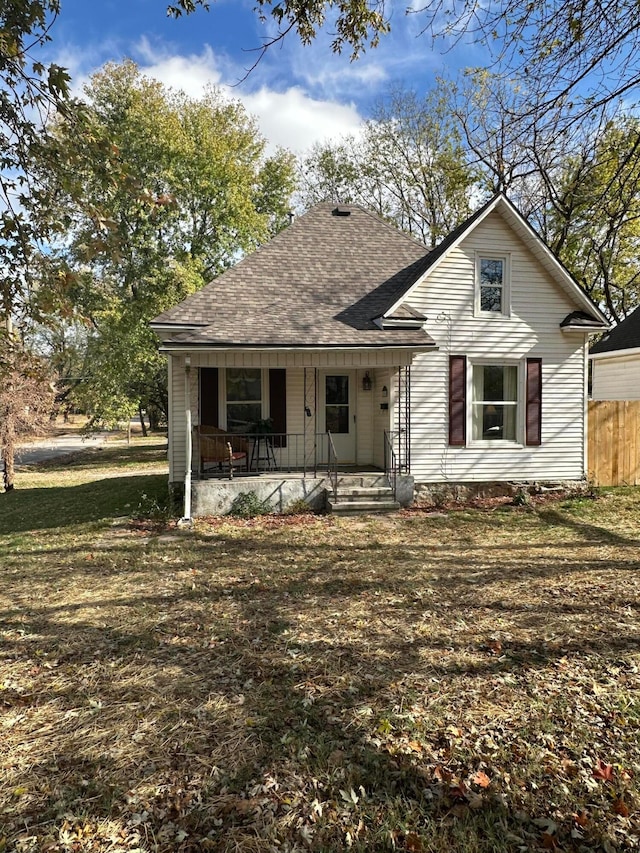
(157, 193)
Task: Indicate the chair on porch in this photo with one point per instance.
(218, 447)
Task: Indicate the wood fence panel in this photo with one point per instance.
(614, 442)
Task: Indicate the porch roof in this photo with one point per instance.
(323, 281)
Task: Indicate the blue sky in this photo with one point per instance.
(298, 94)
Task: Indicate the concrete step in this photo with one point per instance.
(356, 481)
(361, 507)
(365, 493)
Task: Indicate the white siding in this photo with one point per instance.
(616, 378)
(177, 436)
(538, 305)
(362, 358)
(381, 417)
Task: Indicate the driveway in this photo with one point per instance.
(50, 448)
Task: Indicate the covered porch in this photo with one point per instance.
(290, 424)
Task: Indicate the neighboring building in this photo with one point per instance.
(616, 362)
(464, 364)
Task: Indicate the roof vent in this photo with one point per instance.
(340, 211)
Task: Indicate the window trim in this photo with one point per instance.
(506, 283)
(520, 403)
(264, 392)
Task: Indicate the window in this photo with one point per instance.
(506, 402)
(492, 292)
(495, 402)
(337, 404)
(244, 398)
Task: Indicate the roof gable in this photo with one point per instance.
(514, 219)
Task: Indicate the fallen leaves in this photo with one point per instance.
(317, 684)
(603, 771)
(480, 778)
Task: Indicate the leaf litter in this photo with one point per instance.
(467, 681)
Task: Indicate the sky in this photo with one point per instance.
(299, 95)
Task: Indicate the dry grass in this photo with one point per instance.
(447, 682)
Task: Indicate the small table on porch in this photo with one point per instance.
(262, 456)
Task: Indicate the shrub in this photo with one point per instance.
(299, 507)
(248, 505)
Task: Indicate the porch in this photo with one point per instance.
(291, 432)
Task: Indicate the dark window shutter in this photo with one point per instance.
(457, 400)
(209, 411)
(534, 402)
(278, 404)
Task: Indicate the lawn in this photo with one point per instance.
(459, 681)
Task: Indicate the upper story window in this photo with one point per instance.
(492, 285)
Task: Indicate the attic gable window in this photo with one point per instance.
(492, 286)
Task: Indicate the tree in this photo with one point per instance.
(29, 92)
(599, 234)
(357, 23)
(26, 397)
(409, 166)
(180, 189)
(576, 182)
(582, 51)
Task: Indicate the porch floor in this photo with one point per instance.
(345, 471)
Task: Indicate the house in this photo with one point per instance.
(344, 348)
(616, 362)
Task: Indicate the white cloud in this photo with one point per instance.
(191, 73)
(291, 118)
(295, 120)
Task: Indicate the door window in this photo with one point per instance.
(337, 404)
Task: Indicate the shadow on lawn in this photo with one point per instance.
(224, 705)
(23, 510)
(590, 532)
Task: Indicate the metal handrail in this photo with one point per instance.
(390, 463)
(332, 470)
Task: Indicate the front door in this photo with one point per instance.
(337, 400)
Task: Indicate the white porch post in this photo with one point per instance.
(186, 519)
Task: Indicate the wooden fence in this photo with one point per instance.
(614, 442)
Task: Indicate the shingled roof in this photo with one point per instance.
(626, 335)
(323, 281)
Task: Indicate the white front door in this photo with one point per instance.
(337, 412)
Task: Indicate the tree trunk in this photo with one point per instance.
(8, 452)
(154, 420)
(142, 423)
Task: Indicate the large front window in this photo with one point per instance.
(244, 398)
(495, 402)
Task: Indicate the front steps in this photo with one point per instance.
(362, 494)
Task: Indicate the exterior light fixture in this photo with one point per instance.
(367, 384)
(385, 391)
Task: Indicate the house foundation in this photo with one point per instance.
(216, 496)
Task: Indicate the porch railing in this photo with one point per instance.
(253, 453)
(390, 462)
(332, 469)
